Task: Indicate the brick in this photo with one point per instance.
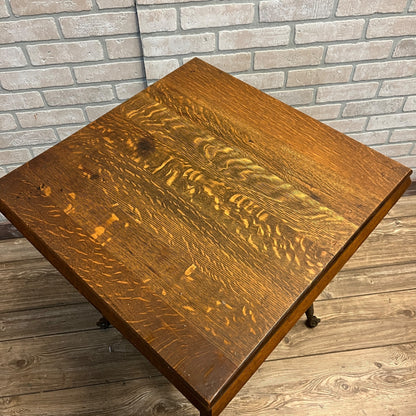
(264, 80)
(346, 92)
(406, 47)
(7, 122)
(391, 26)
(329, 31)
(12, 57)
(350, 125)
(361, 51)
(408, 161)
(322, 112)
(371, 137)
(366, 108)
(36, 78)
(27, 138)
(50, 117)
(3, 9)
(157, 20)
(286, 58)
(34, 7)
(64, 132)
(103, 24)
(2, 173)
(108, 72)
(57, 53)
(237, 62)
(178, 44)
(393, 150)
(410, 104)
(78, 95)
(97, 111)
(195, 17)
(391, 121)
(392, 69)
(153, 2)
(124, 48)
(285, 10)
(405, 135)
(158, 69)
(8, 157)
(254, 38)
(294, 97)
(398, 87)
(361, 7)
(112, 4)
(128, 89)
(329, 75)
(20, 101)
(28, 30)
(414, 153)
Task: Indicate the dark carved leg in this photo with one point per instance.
(311, 320)
(205, 413)
(103, 323)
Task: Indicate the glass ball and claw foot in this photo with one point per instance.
(311, 320)
(103, 323)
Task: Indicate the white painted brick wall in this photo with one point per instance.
(348, 63)
(62, 64)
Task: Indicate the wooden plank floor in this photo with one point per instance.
(361, 359)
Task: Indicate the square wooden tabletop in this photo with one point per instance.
(202, 218)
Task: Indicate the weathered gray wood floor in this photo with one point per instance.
(361, 359)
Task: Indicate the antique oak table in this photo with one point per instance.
(202, 218)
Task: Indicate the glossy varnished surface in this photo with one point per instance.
(201, 217)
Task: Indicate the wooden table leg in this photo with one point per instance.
(206, 413)
(311, 320)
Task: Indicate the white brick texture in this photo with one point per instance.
(62, 62)
(216, 15)
(22, 100)
(28, 30)
(51, 117)
(36, 78)
(179, 45)
(27, 137)
(329, 31)
(351, 64)
(58, 53)
(154, 20)
(254, 38)
(394, 69)
(12, 57)
(124, 48)
(366, 7)
(361, 51)
(104, 24)
(108, 72)
(35, 7)
(288, 57)
(78, 95)
(406, 47)
(287, 10)
(330, 75)
(391, 26)
(7, 122)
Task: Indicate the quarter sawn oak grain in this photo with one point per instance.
(202, 218)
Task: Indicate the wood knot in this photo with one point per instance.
(145, 145)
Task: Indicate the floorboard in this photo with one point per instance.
(361, 359)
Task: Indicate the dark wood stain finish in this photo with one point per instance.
(202, 218)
